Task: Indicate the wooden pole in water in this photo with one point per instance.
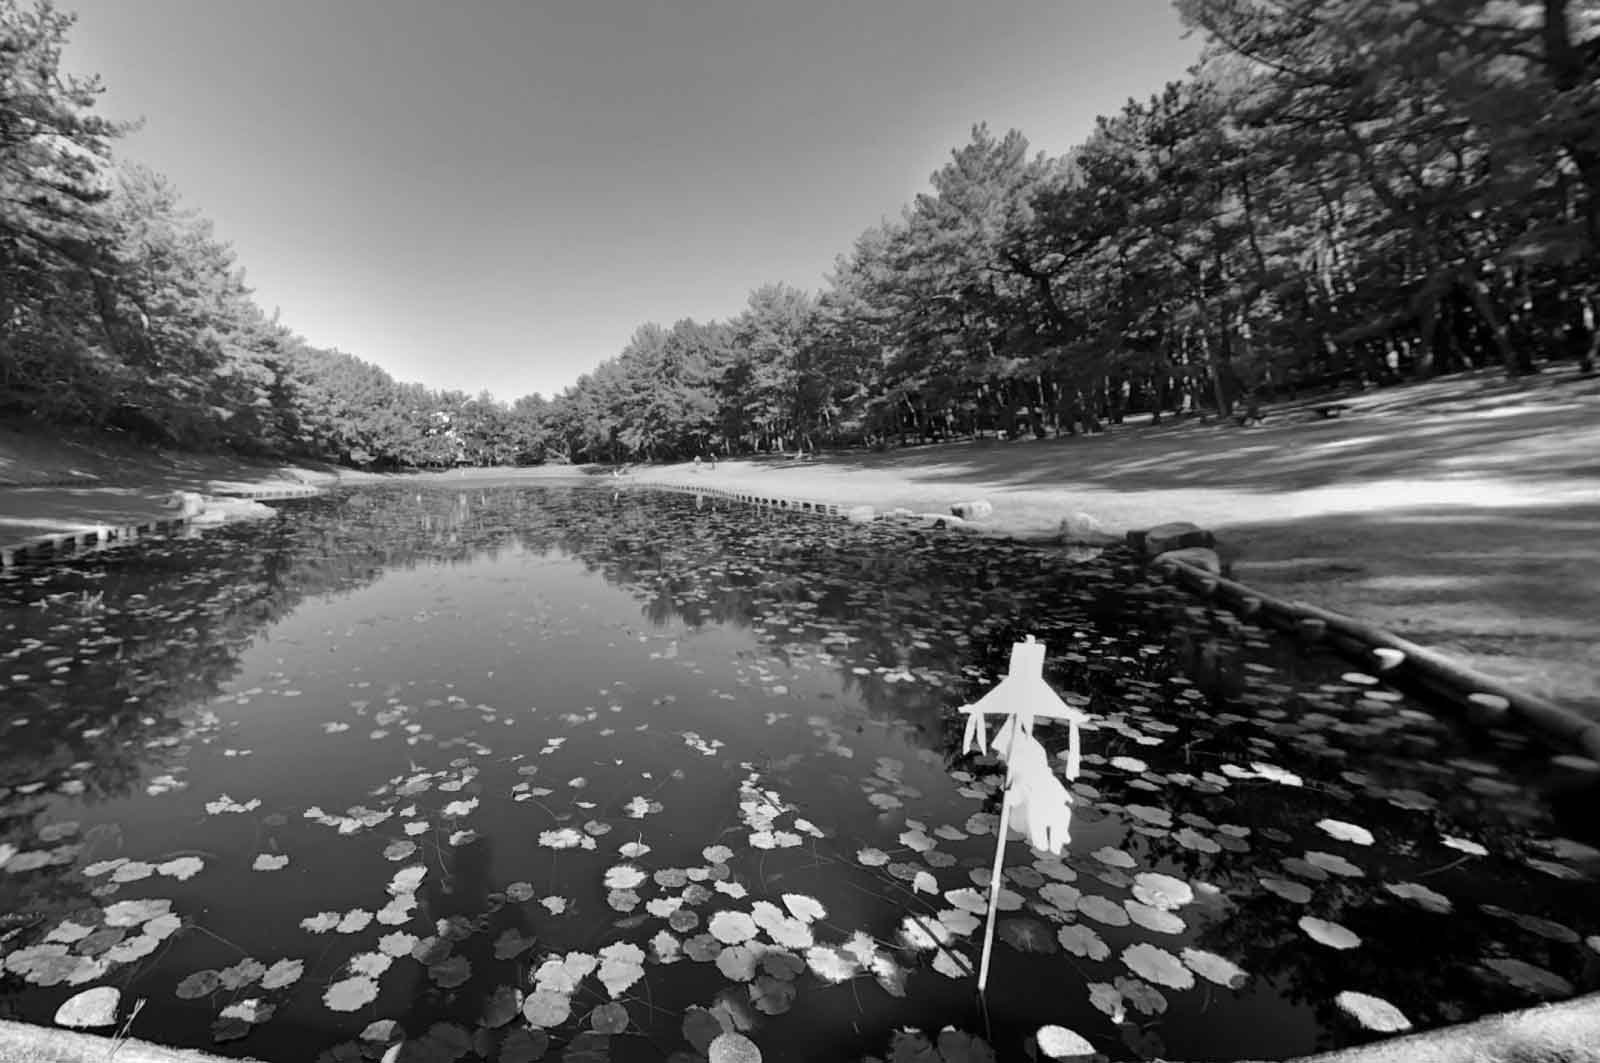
(999, 862)
(994, 893)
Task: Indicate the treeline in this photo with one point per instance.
(1340, 192)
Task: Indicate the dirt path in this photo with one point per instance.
(1462, 514)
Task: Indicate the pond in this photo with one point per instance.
(520, 772)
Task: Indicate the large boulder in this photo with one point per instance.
(1178, 535)
(975, 510)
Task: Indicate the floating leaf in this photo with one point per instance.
(1145, 998)
(136, 913)
(199, 984)
(772, 996)
(1373, 1013)
(1158, 891)
(1334, 864)
(700, 1028)
(511, 942)
(1157, 919)
(1527, 976)
(320, 923)
(1289, 891)
(283, 973)
(354, 921)
(621, 965)
(1421, 895)
(1214, 968)
(183, 868)
(1026, 935)
(731, 927)
(872, 857)
(450, 973)
(1471, 848)
(1326, 933)
(806, 909)
(1346, 832)
(1107, 998)
(381, 1031)
(1157, 965)
(545, 1009)
(1058, 1042)
(738, 962)
(611, 1018)
(270, 862)
(524, 1046)
(1103, 910)
(623, 877)
(733, 1048)
(831, 964)
(399, 849)
(1113, 857)
(350, 994)
(1082, 941)
(90, 1009)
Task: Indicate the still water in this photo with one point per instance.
(554, 772)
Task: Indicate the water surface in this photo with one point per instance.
(369, 767)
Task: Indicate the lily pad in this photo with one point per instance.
(1373, 1013)
(90, 1009)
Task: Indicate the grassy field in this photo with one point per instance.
(1463, 514)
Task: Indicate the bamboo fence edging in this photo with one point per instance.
(1483, 698)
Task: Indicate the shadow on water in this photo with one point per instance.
(1216, 751)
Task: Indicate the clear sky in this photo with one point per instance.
(496, 193)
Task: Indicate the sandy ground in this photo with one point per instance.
(1462, 514)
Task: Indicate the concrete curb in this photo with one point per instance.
(1484, 699)
(98, 537)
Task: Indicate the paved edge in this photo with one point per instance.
(1568, 1032)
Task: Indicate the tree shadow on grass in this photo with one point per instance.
(1542, 433)
(1512, 590)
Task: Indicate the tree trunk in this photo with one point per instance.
(1517, 362)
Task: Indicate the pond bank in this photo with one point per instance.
(1458, 514)
(1568, 1032)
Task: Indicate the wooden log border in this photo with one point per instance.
(804, 505)
(1485, 700)
(58, 545)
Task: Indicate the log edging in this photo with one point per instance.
(94, 538)
(1484, 699)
